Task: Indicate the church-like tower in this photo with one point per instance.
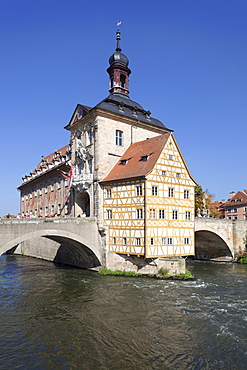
(118, 70)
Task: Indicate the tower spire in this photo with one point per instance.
(118, 38)
(118, 69)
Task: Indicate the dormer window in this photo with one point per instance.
(145, 157)
(148, 113)
(120, 107)
(123, 162)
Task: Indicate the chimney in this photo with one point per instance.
(232, 193)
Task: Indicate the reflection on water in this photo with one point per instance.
(64, 318)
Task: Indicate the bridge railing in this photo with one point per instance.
(46, 220)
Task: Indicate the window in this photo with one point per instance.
(52, 210)
(123, 162)
(163, 173)
(139, 191)
(229, 210)
(90, 166)
(52, 185)
(152, 241)
(161, 213)
(40, 212)
(144, 158)
(46, 187)
(109, 214)
(119, 138)
(154, 190)
(163, 241)
(35, 191)
(66, 181)
(170, 192)
(114, 240)
(186, 194)
(229, 217)
(235, 217)
(178, 175)
(234, 210)
(31, 194)
(138, 241)
(139, 213)
(169, 241)
(90, 137)
(124, 241)
(122, 80)
(187, 216)
(152, 213)
(66, 208)
(40, 189)
(59, 208)
(46, 211)
(108, 193)
(59, 182)
(171, 157)
(174, 215)
(186, 240)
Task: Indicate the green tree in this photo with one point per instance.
(199, 200)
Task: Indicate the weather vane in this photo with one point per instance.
(118, 24)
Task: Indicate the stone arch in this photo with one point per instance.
(70, 248)
(83, 204)
(209, 245)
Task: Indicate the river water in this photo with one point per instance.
(56, 317)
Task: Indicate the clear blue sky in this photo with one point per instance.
(188, 60)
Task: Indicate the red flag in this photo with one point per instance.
(71, 175)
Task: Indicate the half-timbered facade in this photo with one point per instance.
(149, 201)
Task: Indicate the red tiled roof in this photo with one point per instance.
(135, 166)
(49, 157)
(235, 200)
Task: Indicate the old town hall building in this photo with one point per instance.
(124, 168)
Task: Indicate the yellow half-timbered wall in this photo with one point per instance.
(169, 206)
(124, 216)
(154, 216)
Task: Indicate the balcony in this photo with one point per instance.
(82, 182)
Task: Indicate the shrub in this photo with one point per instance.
(242, 258)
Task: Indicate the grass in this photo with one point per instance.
(162, 273)
(118, 272)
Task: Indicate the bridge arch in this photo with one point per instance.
(210, 245)
(74, 248)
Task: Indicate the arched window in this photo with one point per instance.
(122, 80)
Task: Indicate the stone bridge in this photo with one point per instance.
(219, 238)
(77, 241)
(73, 241)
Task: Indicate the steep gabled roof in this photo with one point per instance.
(238, 200)
(139, 159)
